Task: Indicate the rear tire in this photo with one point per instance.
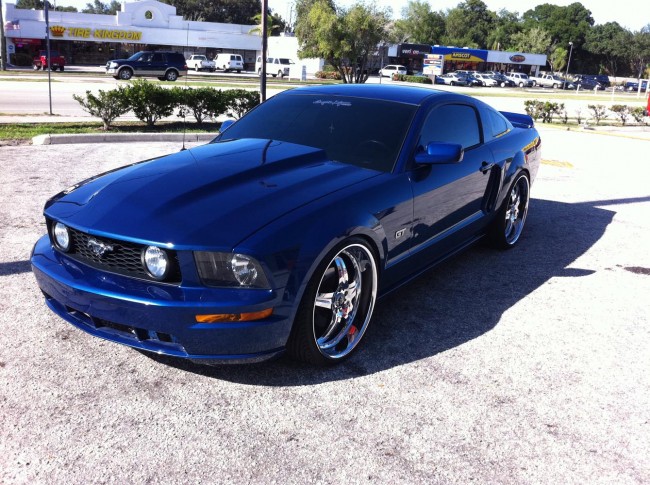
(171, 75)
(511, 217)
(337, 305)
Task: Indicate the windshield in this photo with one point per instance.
(135, 56)
(358, 131)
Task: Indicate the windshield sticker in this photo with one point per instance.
(323, 102)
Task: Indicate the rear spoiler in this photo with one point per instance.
(518, 120)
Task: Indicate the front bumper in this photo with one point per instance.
(158, 317)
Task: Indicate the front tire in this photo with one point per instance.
(337, 305)
(126, 74)
(509, 223)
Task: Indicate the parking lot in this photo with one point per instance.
(525, 366)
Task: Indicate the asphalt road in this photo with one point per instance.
(525, 366)
(31, 95)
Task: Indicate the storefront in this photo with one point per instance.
(462, 58)
(91, 39)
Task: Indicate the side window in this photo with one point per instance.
(157, 58)
(452, 123)
(498, 123)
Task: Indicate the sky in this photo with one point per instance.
(632, 14)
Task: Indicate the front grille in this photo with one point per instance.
(124, 258)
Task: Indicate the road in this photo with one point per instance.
(524, 366)
(34, 89)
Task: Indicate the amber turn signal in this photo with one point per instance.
(234, 317)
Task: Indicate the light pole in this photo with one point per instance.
(566, 76)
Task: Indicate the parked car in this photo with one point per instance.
(486, 79)
(587, 83)
(229, 62)
(41, 62)
(165, 65)
(199, 62)
(520, 79)
(601, 79)
(473, 80)
(634, 85)
(275, 66)
(454, 79)
(390, 69)
(550, 81)
(145, 260)
(503, 81)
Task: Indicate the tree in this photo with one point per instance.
(558, 58)
(345, 38)
(535, 40)
(506, 25)
(469, 24)
(610, 42)
(103, 8)
(639, 53)
(223, 11)
(275, 24)
(419, 24)
(33, 4)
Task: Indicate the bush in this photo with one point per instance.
(622, 111)
(638, 113)
(534, 108)
(107, 105)
(150, 102)
(599, 111)
(240, 101)
(203, 103)
(412, 79)
(329, 75)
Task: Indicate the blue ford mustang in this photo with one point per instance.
(280, 235)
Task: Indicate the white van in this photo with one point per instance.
(229, 62)
(275, 66)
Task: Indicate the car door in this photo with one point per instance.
(449, 199)
(157, 65)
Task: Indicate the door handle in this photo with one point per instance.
(486, 167)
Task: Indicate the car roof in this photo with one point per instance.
(403, 94)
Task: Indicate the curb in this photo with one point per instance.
(122, 138)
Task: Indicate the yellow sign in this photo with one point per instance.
(87, 33)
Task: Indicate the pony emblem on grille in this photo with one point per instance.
(99, 248)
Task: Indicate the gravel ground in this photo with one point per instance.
(526, 366)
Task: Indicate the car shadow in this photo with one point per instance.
(452, 304)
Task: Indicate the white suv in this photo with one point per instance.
(389, 70)
(520, 79)
(275, 66)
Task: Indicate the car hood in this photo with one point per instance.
(213, 196)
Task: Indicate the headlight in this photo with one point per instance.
(230, 270)
(61, 236)
(112, 65)
(156, 262)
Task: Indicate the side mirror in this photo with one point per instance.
(437, 153)
(225, 125)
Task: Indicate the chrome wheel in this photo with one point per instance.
(126, 74)
(344, 301)
(516, 210)
(337, 306)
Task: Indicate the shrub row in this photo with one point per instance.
(150, 102)
(412, 79)
(545, 110)
(328, 75)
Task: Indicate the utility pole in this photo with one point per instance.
(3, 42)
(49, 58)
(265, 46)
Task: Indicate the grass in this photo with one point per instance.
(26, 131)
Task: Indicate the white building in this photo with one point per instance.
(91, 39)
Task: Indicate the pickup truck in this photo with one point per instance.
(549, 81)
(199, 62)
(57, 61)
